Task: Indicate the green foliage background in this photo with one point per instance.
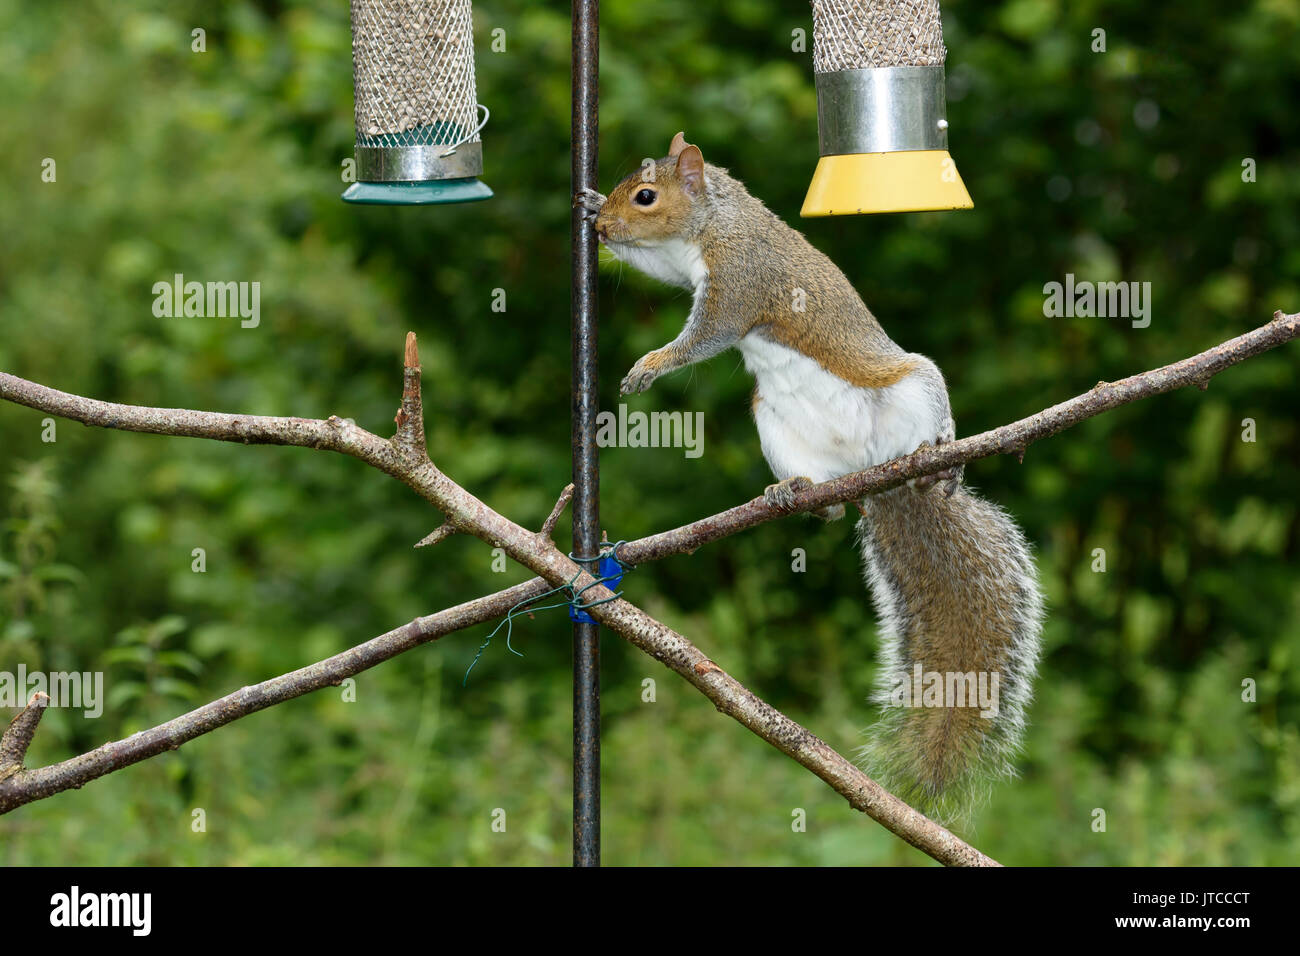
(226, 165)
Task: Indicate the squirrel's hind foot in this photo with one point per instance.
(782, 494)
(950, 476)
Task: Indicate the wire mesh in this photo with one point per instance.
(864, 34)
(413, 72)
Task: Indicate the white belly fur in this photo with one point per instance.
(674, 261)
(813, 423)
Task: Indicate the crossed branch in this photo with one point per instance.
(405, 457)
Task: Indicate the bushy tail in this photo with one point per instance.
(957, 595)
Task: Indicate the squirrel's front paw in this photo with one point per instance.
(590, 201)
(782, 494)
(641, 376)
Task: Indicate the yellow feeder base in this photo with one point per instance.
(913, 180)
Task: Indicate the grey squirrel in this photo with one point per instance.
(951, 575)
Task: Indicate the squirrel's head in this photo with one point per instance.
(656, 202)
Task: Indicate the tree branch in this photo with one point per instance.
(742, 705)
(24, 786)
(1008, 439)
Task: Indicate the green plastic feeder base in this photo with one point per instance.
(436, 192)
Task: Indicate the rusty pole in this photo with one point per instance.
(586, 467)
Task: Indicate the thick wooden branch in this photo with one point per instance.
(1008, 439)
(736, 701)
(24, 786)
(404, 458)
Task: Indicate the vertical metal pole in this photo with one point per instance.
(586, 468)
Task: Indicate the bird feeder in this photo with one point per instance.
(417, 115)
(881, 114)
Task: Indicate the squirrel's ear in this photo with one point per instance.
(679, 144)
(690, 169)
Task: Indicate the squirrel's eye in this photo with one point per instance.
(644, 197)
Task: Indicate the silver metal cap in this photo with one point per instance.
(881, 110)
(388, 164)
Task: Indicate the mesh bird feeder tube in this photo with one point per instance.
(417, 115)
(881, 111)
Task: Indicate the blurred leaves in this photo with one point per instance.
(225, 165)
(143, 671)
